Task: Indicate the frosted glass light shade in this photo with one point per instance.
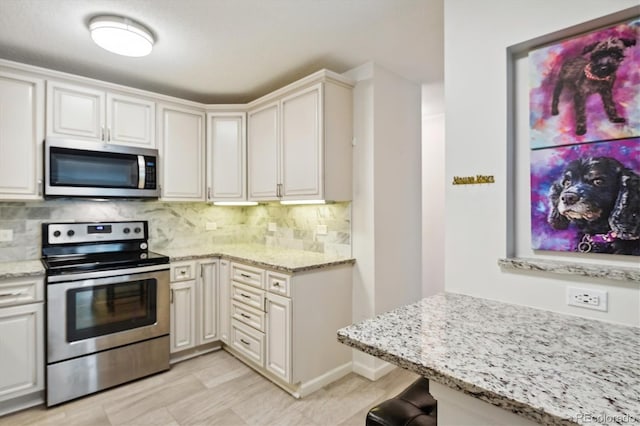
(121, 35)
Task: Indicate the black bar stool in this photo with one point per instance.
(414, 406)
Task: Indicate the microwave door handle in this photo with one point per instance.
(142, 172)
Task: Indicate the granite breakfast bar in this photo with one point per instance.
(496, 363)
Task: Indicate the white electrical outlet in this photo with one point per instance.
(6, 235)
(272, 227)
(321, 230)
(587, 298)
(211, 226)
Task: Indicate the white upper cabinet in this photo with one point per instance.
(21, 134)
(263, 152)
(93, 114)
(131, 121)
(302, 144)
(300, 141)
(226, 154)
(182, 153)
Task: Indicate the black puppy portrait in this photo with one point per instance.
(600, 198)
(593, 72)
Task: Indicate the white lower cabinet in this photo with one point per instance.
(223, 305)
(285, 325)
(183, 315)
(278, 350)
(194, 304)
(21, 343)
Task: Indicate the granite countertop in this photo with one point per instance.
(284, 260)
(548, 367)
(24, 268)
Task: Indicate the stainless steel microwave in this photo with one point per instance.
(75, 168)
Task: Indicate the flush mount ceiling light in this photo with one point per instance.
(121, 35)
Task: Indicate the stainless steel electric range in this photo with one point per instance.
(107, 301)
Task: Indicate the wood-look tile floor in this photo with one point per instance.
(217, 389)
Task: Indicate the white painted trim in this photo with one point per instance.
(21, 403)
(319, 382)
(373, 374)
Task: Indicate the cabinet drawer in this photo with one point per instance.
(248, 342)
(19, 292)
(247, 275)
(183, 271)
(278, 284)
(248, 295)
(252, 317)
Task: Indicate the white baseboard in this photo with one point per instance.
(319, 382)
(373, 374)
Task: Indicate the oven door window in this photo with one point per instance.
(96, 311)
(72, 167)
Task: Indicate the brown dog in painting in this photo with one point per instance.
(596, 74)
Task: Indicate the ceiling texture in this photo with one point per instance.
(229, 51)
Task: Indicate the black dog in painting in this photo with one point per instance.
(602, 198)
(597, 74)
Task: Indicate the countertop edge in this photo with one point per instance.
(259, 263)
(497, 400)
(611, 272)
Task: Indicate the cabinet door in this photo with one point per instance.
(75, 111)
(130, 121)
(208, 316)
(182, 154)
(224, 280)
(278, 335)
(263, 151)
(22, 350)
(302, 135)
(21, 134)
(183, 315)
(226, 171)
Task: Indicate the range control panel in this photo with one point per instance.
(91, 232)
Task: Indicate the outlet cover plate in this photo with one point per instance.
(211, 226)
(587, 298)
(321, 229)
(272, 227)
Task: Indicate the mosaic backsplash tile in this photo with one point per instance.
(179, 225)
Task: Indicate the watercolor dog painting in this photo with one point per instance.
(586, 88)
(586, 197)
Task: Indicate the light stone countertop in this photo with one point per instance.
(284, 260)
(550, 368)
(24, 268)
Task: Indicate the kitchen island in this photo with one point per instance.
(537, 366)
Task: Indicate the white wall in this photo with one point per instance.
(386, 205)
(433, 188)
(477, 35)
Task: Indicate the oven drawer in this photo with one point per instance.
(251, 317)
(248, 295)
(19, 292)
(183, 271)
(247, 275)
(248, 342)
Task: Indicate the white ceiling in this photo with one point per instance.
(229, 51)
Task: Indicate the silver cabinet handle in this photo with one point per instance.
(208, 193)
(245, 315)
(276, 284)
(108, 134)
(16, 294)
(245, 275)
(244, 295)
(39, 186)
(171, 297)
(102, 134)
(244, 341)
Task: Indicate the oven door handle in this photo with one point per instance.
(106, 274)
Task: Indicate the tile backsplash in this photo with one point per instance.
(180, 225)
